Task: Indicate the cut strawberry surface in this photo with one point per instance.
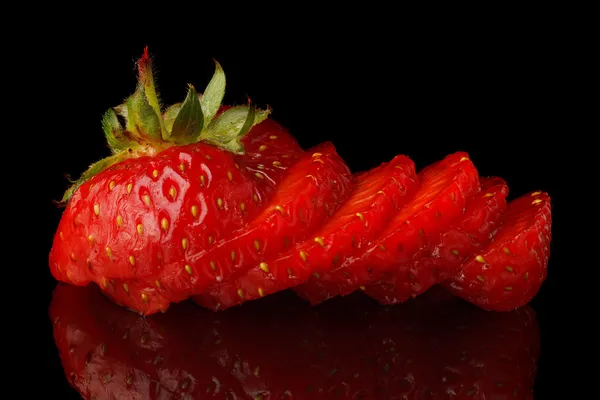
(441, 258)
(373, 201)
(441, 196)
(509, 271)
(281, 348)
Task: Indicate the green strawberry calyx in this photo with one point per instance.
(140, 126)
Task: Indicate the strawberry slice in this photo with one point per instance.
(376, 196)
(441, 258)
(509, 271)
(281, 348)
(441, 196)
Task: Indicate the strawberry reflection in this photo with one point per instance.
(434, 347)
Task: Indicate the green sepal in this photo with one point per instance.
(228, 128)
(189, 121)
(213, 94)
(93, 170)
(170, 114)
(117, 138)
(142, 120)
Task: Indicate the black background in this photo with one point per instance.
(503, 93)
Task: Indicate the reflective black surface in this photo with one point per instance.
(497, 96)
(279, 347)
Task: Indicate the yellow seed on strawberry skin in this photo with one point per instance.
(188, 269)
(363, 288)
(146, 200)
(488, 195)
(257, 245)
(536, 201)
(319, 161)
(362, 217)
(317, 155)
(509, 269)
(201, 180)
(455, 252)
(303, 255)
(506, 250)
(108, 252)
(155, 173)
(242, 207)
(140, 229)
(230, 175)
(480, 259)
(132, 260)
(194, 211)
(479, 277)
(232, 255)
(259, 175)
(273, 137)
(97, 209)
(320, 241)
(129, 187)
(280, 209)
(213, 266)
(144, 297)
(464, 159)
(240, 292)
(263, 266)
(126, 288)
(276, 163)
(173, 192)
(182, 167)
(261, 292)
(211, 239)
(119, 220)
(220, 203)
(164, 224)
(184, 243)
(91, 239)
(157, 283)
(111, 185)
(536, 193)
(262, 147)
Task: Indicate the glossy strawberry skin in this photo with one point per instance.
(443, 255)
(135, 223)
(375, 198)
(279, 347)
(510, 270)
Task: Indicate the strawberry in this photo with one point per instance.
(376, 195)
(509, 271)
(440, 197)
(441, 258)
(178, 182)
(281, 348)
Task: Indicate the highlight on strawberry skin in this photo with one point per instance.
(282, 348)
(220, 204)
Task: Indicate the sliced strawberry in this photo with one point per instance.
(441, 196)
(376, 196)
(441, 258)
(281, 348)
(509, 271)
(324, 282)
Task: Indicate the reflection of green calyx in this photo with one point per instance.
(139, 126)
